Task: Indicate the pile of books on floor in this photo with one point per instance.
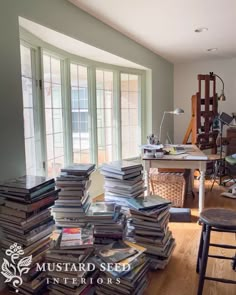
(123, 269)
(27, 224)
(150, 218)
(108, 221)
(71, 248)
(123, 180)
(73, 201)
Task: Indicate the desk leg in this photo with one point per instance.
(201, 191)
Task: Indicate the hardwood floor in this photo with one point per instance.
(179, 277)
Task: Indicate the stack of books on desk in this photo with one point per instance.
(150, 218)
(123, 180)
(124, 269)
(71, 249)
(27, 224)
(73, 202)
(108, 221)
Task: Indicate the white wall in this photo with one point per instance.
(186, 84)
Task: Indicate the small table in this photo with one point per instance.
(193, 158)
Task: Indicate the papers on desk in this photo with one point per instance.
(151, 147)
(185, 156)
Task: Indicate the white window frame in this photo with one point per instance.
(66, 59)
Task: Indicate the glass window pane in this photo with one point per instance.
(46, 68)
(48, 120)
(56, 70)
(74, 97)
(47, 95)
(29, 123)
(50, 153)
(124, 99)
(108, 79)
(125, 117)
(100, 99)
(124, 82)
(58, 164)
(108, 99)
(83, 98)
(57, 120)
(30, 155)
(99, 79)
(108, 117)
(27, 92)
(133, 116)
(29, 110)
(83, 79)
(79, 109)
(73, 75)
(133, 100)
(25, 61)
(129, 116)
(100, 118)
(53, 114)
(58, 145)
(56, 96)
(133, 83)
(108, 136)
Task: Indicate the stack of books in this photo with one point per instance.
(108, 221)
(73, 201)
(123, 267)
(71, 249)
(150, 218)
(27, 224)
(123, 180)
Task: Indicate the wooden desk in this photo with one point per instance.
(193, 159)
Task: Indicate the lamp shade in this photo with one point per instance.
(178, 111)
(222, 96)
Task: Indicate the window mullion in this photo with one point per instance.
(117, 116)
(66, 99)
(93, 114)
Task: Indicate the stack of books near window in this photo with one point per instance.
(123, 180)
(123, 267)
(27, 224)
(70, 250)
(73, 201)
(108, 221)
(150, 218)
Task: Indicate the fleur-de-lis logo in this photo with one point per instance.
(13, 270)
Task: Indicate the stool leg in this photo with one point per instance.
(200, 248)
(204, 259)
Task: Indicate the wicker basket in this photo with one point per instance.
(171, 185)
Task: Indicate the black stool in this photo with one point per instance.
(220, 220)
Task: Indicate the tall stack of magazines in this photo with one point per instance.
(150, 218)
(74, 200)
(27, 224)
(123, 181)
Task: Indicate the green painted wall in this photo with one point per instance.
(65, 18)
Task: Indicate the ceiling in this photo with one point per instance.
(167, 27)
(74, 46)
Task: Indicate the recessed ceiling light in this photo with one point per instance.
(200, 30)
(212, 49)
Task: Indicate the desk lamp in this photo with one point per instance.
(222, 95)
(177, 111)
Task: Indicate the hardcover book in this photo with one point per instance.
(76, 237)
